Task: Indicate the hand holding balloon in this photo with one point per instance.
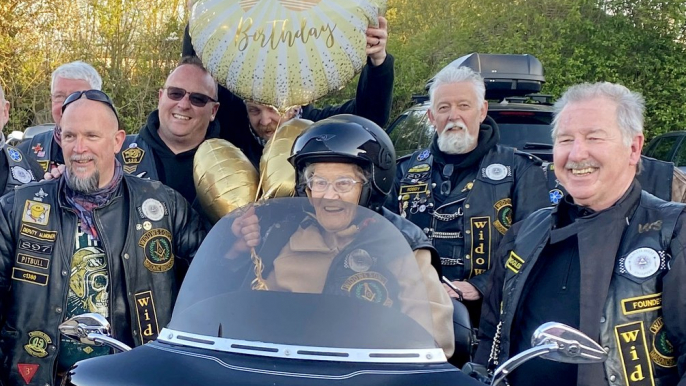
(376, 42)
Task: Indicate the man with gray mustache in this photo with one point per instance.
(608, 259)
(465, 191)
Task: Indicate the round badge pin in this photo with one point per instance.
(20, 174)
(133, 145)
(642, 262)
(147, 225)
(152, 209)
(359, 260)
(423, 155)
(496, 172)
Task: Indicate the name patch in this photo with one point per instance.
(514, 263)
(34, 246)
(36, 233)
(642, 304)
(633, 351)
(27, 276)
(33, 261)
(481, 244)
(147, 316)
(414, 189)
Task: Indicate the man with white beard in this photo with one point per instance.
(465, 190)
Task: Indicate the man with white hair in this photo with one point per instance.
(15, 168)
(45, 147)
(465, 190)
(608, 259)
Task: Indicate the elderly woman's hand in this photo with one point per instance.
(246, 228)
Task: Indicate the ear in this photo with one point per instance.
(483, 112)
(215, 108)
(119, 138)
(160, 93)
(636, 148)
(432, 119)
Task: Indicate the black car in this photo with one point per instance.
(670, 147)
(512, 83)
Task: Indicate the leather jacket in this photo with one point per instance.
(20, 170)
(625, 315)
(146, 251)
(41, 148)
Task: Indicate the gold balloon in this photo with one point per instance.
(277, 174)
(225, 179)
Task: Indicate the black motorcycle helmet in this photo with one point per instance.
(348, 138)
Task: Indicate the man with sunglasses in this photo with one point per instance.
(249, 125)
(45, 147)
(16, 168)
(465, 190)
(164, 148)
(96, 240)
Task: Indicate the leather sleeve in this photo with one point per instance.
(188, 227)
(674, 297)
(493, 296)
(440, 303)
(679, 186)
(530, 190)
(373, 99)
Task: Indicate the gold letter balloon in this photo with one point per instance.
(282, 52)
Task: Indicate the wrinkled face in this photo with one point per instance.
(265, 119)
(181, 119)
(591, 159)
(457, 117)
(335, 211)
(61, 90)
(90, 140)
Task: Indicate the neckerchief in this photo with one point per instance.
(85, 203)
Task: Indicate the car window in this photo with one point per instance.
(524, 129)
(662, 149)
(411, 132)
(680, 156)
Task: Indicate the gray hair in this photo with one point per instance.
(308, 172)
(2, 94)
(452, 74)
(630, 106)
(77, 70)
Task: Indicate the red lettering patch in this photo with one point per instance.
(27, 371)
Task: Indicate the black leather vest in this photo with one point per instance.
(475, 214)
(631, 328)
(137, 158)
(40, 149)
(19, 171)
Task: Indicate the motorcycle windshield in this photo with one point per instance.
(325, 274)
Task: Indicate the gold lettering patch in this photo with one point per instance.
(640, 304)
(662, 353)
(503, 219)
(147, 316)
(633, 352)
(414, 189)
(158, 250)
(36, 233)
(481, 244)
(369, 286)
(420, 168)
(514, 263)
(27, 276)
(33, 261)
(133, 155)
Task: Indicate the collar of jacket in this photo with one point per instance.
(62, 199)
(151, 136)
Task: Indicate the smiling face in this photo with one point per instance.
(182, 125)
(592, 161)
(335, 211)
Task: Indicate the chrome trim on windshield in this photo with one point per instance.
(434, 355)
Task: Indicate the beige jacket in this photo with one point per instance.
(309, 248)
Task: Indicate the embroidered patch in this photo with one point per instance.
(14, 154)
(44, 164)
(38, 343)
(157, 247)
(640, 304)
(556, 196)
(503, 218)
(147, 316)
(481, 244)
(34, 246)
(423, 155)
(662, 353)
(514, 263)
(27, 276)
(27, 371)
(420, 168)
(37, 149)
(20, 174)
(642, 262)
(414, 189)
(653, 226)
(36, 212)
(369, 286)
(36, 233)
(130, 169)
(133, 155)
(33, 261)
(633, 352)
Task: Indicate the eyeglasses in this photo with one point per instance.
(197, 99)
(341, 185)
(93, 95)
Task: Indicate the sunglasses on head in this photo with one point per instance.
(197, 99)
(93, 95)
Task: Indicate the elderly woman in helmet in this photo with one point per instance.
(341, 162)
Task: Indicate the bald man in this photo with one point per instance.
(97, 240)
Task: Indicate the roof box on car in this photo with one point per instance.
(504, 75)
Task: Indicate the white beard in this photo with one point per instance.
(456, 141)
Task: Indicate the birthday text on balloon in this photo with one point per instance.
(280, 33)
